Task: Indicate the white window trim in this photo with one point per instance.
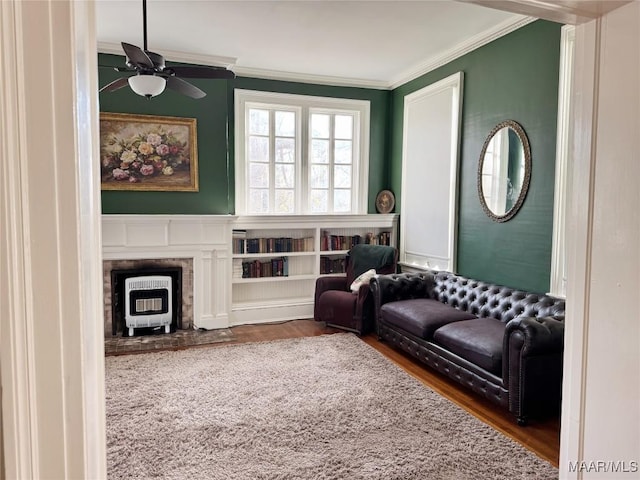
(558, 277)
(304, 103)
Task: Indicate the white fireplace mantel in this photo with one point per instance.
(203, 238)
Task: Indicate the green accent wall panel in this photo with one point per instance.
(211, 113)
(515, 77)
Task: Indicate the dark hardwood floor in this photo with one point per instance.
(543, 438)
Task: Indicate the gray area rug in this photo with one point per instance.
(328, 407)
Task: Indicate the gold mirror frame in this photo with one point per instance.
(509, 214)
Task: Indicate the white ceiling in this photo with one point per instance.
(376, 44)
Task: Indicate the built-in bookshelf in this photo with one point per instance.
(276, 260)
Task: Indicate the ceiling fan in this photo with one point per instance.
(152, 75)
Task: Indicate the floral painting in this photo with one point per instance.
(144, 152)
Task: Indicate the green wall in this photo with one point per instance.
(211, 113)
(215, 116)
(514, 77)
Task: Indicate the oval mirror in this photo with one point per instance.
(504, 171)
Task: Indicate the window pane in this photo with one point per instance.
(341, 200)
(487, 182)
(285, 150)
(258, 122)
(319, 201)
(285, 124)
(320, 151)
(342, 176)
(258, 201)
(284, 176)
(258, 149)
(319, 125)
(344, 126)
(258, 175)
(319, 176)
(284, 201)
(343, 151)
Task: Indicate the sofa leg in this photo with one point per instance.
(523, 421)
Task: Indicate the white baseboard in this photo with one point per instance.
(209, 322)
(271, 314)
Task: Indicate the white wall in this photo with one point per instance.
(601, 406)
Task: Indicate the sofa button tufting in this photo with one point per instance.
(497, 302)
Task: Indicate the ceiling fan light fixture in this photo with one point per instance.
(147, 85)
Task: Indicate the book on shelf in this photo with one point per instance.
(329, 242)
(331, 265)
(237, 268)
(274, 267)
(238, 239)
(278, 245)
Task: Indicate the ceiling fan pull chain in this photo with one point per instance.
(144, 23)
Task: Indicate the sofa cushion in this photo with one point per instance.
(478, 341)
(421, 316)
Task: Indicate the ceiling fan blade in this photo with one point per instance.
(115, 85)
(201, 72)
(185, 88)
(136, 56)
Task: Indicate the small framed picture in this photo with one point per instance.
(385, 201)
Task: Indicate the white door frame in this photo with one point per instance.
(51, 334)
(52, 391)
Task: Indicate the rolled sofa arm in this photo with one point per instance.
(539, 335)
(532, 365)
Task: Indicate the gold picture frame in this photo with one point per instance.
(148, 153)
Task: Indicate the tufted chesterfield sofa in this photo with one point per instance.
(503, 344)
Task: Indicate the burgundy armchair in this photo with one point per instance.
(334, 302)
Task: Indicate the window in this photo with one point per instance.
(297, 154)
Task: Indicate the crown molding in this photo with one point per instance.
(309, 78)
(569, 12)
(173, 56)
(429, 65)
(461, 49)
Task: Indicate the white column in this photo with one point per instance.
(51, 351)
